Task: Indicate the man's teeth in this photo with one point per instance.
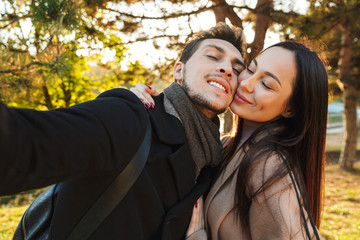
(217, 85)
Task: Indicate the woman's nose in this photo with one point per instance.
(247, 84)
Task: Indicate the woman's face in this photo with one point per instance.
(265, 87)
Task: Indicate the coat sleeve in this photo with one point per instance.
(275, 213)
(39, 148)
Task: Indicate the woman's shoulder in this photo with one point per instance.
(268, 166)
(269, 162)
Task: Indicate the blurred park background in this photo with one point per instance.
(56, 53)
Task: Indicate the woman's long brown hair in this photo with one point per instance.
(301, 138)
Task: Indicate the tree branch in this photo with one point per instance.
(13, 49)
(13, 20)
(145, 38)
(173, 15)
(27, 66)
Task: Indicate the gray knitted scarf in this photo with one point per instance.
(202, 133)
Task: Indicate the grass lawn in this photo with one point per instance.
(9, 219)
(341, 217)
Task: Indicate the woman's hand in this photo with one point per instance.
(197, 221)
(145, 93)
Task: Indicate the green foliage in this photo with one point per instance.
(325, 22)
(47, 50)
(49, 13)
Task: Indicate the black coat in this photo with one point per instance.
(85, 147)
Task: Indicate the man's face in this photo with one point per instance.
(210, 75)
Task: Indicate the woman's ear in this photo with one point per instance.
(287, 113)
(178, 72)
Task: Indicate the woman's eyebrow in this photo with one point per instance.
(269, 73)
(273, 76)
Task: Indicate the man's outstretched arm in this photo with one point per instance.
(39, 148)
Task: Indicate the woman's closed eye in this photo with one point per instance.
(249, 70)
(265, 85)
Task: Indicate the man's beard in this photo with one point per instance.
(199, 100)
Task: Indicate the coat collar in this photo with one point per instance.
(168, 128)
(170, 131)
(227, 174)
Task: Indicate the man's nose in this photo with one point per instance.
(226, 71)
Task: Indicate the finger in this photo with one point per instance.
(201, 212)
(139, 90)
(136, 92)
(146, 91)
(149, 99)
(193, 222)
(201, 202)
(151, 90)
(141, 96)
(141, 87)
(197, 218)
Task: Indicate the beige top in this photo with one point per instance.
(274, 214)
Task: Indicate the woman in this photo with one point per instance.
(273, 163)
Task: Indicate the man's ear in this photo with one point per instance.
(179, 72)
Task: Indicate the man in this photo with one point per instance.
(86, 146)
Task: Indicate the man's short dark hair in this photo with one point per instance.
(222, 31)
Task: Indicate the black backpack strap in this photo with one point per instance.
(116, 191)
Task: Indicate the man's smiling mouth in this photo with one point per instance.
(218, 85)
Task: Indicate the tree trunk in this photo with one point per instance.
(348, 150)
(225, 11)
(66, 92)
(263, 9)
(47, 97)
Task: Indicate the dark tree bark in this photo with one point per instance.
(263, 9)
(348, 150)
(223, 11)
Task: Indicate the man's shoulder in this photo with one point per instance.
(120, 98)
(119, 93)
(115, 109)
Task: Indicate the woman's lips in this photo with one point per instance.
(241, 98)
